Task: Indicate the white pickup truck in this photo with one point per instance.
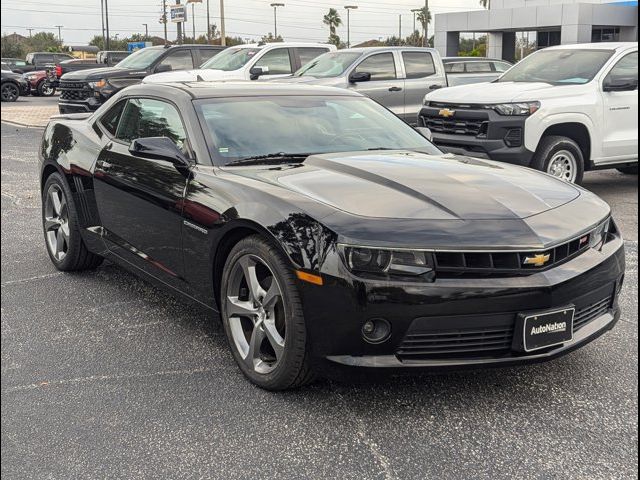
(562, 110)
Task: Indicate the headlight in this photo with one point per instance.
(517, 109)
(384, 263)
(30, 76)
(603, 234)
(99, 84)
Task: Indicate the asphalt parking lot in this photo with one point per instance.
(104, 376)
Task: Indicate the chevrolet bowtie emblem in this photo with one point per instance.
(539, 260)
(446, 113)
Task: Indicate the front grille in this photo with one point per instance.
(74, 91)
(480, 342)
(453, 264)
(473, 128)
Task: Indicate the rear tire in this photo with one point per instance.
(9, 92)
(62, 236)
(560, 157)
(263, 318)
(629, 170)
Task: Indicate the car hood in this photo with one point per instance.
(192, 76)
(98, 73)
(308, 80)
(412, 185)
(499, 92)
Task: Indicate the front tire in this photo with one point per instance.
(263, 318)
(62, 236)
(9, 92)
(629, 170)
(560, 157)
(45, 90)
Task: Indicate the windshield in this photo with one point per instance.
(559, 67)
(231, 59)
(142, 59)
(328, 65)
(246, 127)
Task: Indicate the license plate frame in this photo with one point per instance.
(554, 326)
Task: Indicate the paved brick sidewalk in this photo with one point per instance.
(28, 113)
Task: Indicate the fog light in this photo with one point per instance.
(377, 330)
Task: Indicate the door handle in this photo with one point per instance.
(435, 87)
(395, 89)
(108, 146)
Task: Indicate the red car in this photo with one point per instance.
(39, 84)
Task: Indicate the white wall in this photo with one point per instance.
(535, 3)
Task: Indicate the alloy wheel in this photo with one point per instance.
(47, 90)
(256, 314)
(56, 222)
(564, 165)
(10, 93)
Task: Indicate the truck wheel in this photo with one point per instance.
(629, 170)
(45, 90)
(560, 157)
(10, 92)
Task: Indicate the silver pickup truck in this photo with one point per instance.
(396, 77)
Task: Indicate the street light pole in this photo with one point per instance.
(146, 31)
(102, 20)
(275, 18)
(193, 20)
(348, 8)
(208, 24)
(426, 23)
(106, 24)
(164, 20)
(415, 13)
(179, 27)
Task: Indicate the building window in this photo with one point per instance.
(605, 35)
(549, 39)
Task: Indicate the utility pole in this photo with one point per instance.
(400, 26)
(179, 27)
(275, 18)
(30, 30)
(59, 27)
(348, 8)
(193, 20)
(164, 20)
(223, 33)
(146, 31)
(102, 21)
(208, 24)
(106, 24)
(415, 13)
(426, 23)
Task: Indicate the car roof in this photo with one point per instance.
(472, 59)
(386, 49)
(235, 88)
(595, 46)
(283, 44)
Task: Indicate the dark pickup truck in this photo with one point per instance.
(103, 59)
(35, 61)
(87, 90)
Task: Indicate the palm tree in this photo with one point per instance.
(424, 17)
(333, 20)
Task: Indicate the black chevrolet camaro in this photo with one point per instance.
(327, 233)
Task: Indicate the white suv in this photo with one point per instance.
(562, 110)
(249, 62)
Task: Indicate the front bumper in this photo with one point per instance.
(458, 323)
(479, 133)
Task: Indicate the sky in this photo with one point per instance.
(298, 20)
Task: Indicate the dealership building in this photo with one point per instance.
(554, 22)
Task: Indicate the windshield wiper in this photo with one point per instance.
(272, 158)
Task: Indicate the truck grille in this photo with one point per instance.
(479, 342)
(74, 91)
(473, 128)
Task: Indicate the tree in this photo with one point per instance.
(334, 39)
(424, 17)
(271, 39)
(12, 47)
(333, 20)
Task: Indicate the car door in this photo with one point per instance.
(278, 61)
(421, 77)
(140, 200)
(385, 87)
(620, 114)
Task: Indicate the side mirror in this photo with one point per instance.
(163, 67)
(159, 148)
(257, 72)
(357, 77)
(425, 132)
(620, 84)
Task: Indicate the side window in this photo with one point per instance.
(180, 60)
(278, 62)
(144, 117)
(42, 59)
(454, 67)
(501, 67)
(381, 66)
(418, 64)
(110, 119)
(207, 53)
(625, 69)
(479, 67)
(308, 54)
